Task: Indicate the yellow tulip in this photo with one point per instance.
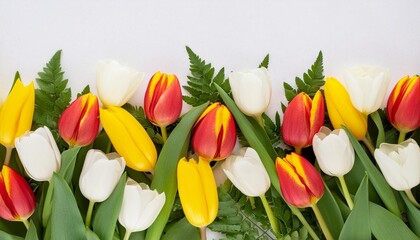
(341, 110)
(197, 191)
(129, 138)
(16, 114)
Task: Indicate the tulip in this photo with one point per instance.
(300, 183)
(163, 99)
(214, 133)
(367, 86)
(197, 191)
(116, 83)
(17, 201)
(246, 171)
(16, 113)
(400, 164)
(39, 154)
(140, 207)
(129, 138)
(79, 124)
(341, 110)
(251, 90)
(334, 152)
(100, 175)
(302, 119)
(403, 104)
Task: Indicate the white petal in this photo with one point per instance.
(151, 211)
(391, 171)
(132, 207)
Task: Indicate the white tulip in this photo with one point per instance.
(116, 83)
(100, 174)
(400, 164)
(39, 154)
(334, 152)
(367, 87)
(140, 206)
(246, 171)
(251, 90)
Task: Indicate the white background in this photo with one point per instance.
(151, 36)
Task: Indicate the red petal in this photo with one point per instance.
(296, 125)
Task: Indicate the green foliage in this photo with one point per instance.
(265, 61)
(85, 90)
(200, 84)
(312, 81)
(51, 98)
(68, 162)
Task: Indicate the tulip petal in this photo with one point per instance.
(131, 209)
(151, 210)
(296, 133)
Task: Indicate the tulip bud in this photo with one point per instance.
(300, 183)
(367, 86)
(334, 152)
(116, 83)
(302, 119)
(140, 206)
(39, 154)
(403, 104)
(79, 124)
(214, 133)
(129, 138)
(246, 171)
(400, 164)
(17, 201)
(100, 175)
(341, 110)
(251, 90)
(197, 191)
(16, 113)
(163, 99)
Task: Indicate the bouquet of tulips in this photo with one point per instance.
(336, 167)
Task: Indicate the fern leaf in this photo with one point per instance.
(265, 61)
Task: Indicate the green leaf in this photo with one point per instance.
(354, 228)
(387, 226)
(51, 98)
(90, 235)
(378, 122)
(31, 234)
(106, 215)
(165, 171)
(265, 61)
(329, 207)
(6, 236)
(68, 161)
(413, 214)
(65, 221)
(375, 177)
(182, 230)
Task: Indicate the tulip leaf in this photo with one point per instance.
(7, 236)
(387, 226)
(165, 171)
(413, 214)
(354, 228)
(106, 215)
(65, 219)
(378, 181)
(376, 117)
(182, 230)
(31, 234)
(90, 235)
(68, 161)
(265, 61)
(329, 207)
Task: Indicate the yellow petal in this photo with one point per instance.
(210, 189)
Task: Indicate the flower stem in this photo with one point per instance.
(346, 192)
(412, 198)
(8, 155)
(401, 137)
(378, 122)
(305, 223)
(260, 120)
(369, 145)
(322, 223)
(127, 235)
(203, 233)
(89, 214)
(252, 202)
(270, 215)
(298, 150)
(26, 223)
(164, 134)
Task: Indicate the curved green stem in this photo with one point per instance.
(322, 223)
(369, 145)
(26, 223)
(89, 214)
(273, 221)
(346, 192)
(412, 198)
(127, 235)
(252, 202)
(401, 137)
(164, 134)
(378, 122)
(260, 120)
(305, 223)
(8, 155)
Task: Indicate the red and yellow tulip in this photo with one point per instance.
(341, 110)
(17, 201)
(197, 191)
(79, 123)
(214, 133)
(302, 119)
(300, 183)
(403, 104)
(163, 99)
